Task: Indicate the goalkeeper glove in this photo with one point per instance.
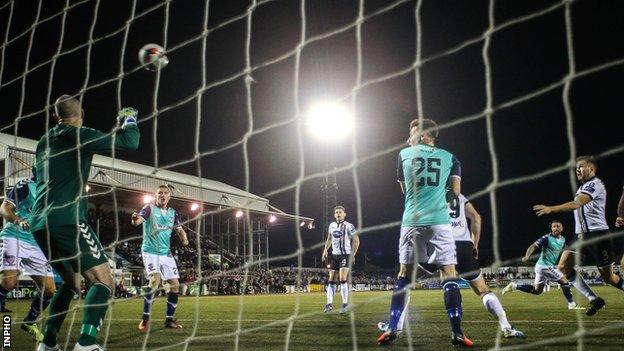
(126, 116)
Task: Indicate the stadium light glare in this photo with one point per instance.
(194, 206)
(239, 214)
(147, 198)
(302, 224)
(330, 121)
(87, 188)
(272, 219)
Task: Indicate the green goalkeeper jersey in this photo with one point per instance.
(62, 173)
(426, 171)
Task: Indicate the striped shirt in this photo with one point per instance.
(341, 234)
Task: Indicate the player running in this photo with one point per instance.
(467, 247)
(424, 171)
(59, 217)
(159, 221)
(20, 254)
(344, 242)
(590, 223)
(546, 270)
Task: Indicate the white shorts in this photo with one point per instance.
(437, 238)
(165, 265)
(544, 274)
(25, 257)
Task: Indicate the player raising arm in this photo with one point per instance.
(159, 222)
(59, 217)
(590, 223)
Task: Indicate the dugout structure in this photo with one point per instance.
(120, 186)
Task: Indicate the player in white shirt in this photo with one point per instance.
(590, 222)
(344, 242)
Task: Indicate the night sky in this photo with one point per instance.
(529, 137)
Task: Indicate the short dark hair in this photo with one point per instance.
(67, 106)
(427, 124)
(555, 221)
(339, 208)
(588, 159)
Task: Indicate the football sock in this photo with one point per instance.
(58, 310)
(148, 299)
(527, 288)
(398, 301)
(37, 305)
(95, 306)
(172, 303)
(493, 305)
(405, 311)
(330, 292)
(453, 304)
(580, 285)
(567, 292)
(344, 291)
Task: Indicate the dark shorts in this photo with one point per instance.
(599, 253)
(71, 248)
(339, 261)
(467, 266)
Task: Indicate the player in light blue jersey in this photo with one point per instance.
(159, 222)
(551, 245)
(424, 172)
(20, 254)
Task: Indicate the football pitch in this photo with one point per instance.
(265, 323)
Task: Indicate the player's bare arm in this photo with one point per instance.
(577, 203)
(326, 248)
(475, 227)
(354, 247)
(455, 185)
(7, 211)
(182, 235)
(137, 220)
(619, 221)
(529, 252)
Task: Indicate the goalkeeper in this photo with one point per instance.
(59, 216)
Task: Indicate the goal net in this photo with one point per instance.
(519, 91)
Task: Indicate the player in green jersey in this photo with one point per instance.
(551, 245)
(59, 217)
(159, 222)
(424, 172)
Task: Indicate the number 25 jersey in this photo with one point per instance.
(426, 171)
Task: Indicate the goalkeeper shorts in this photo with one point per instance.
(71, 248)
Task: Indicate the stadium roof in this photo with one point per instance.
(110, 171)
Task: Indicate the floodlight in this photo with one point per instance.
(330, 121)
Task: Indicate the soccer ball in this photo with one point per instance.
(152, 57)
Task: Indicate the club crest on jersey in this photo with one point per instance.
(591, 187)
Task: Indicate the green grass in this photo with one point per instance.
(213, 321)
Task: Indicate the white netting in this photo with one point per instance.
(304, 174)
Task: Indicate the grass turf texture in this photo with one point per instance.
(265, 323)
